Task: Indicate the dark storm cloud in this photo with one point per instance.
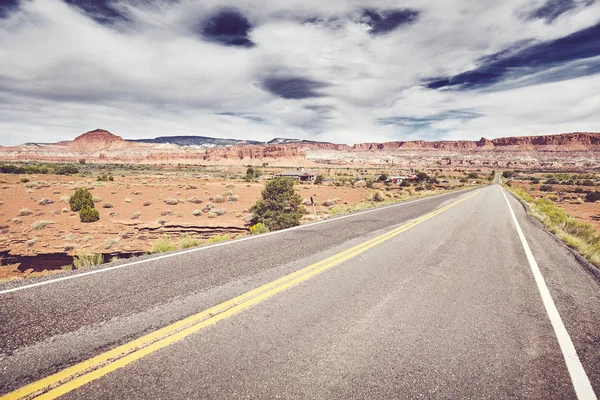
(385, 21)
(102, 11)
(227, 27)
(493, 69)
(7, 6)
(294, 87)
(553, 9)
(425, 122)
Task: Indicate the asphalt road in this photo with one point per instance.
(446, 307)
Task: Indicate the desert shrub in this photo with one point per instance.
(508, 174)
(197, 213)
(194, 200)
(546, 188)
(110, 242)
(592, 197)
(127, 200)
(208, 207)
(587, 182)
(551, 181)
(161, 221)
(24, 180)
(31, 242)
(319, 179)
(162, 245)
(218, 239)
(64, 199)
(136, 215)
(45, 202)
(473, 175)
(85, 259)
(233, 198)
(329, 203)
(535, 181)
(24, 212)
(97, 199)
(107, 205)
(66, 170)
(65, 210)
(173, 202)
(80, 199)
(67, 267)
(217, 199)
(105, 178)
(147, 203)
(31, 185)
(16, 221)
(259, 228)
(187, 241)
(88, 214)
(37, 225)
(378, 197)
(419, 188)
(279, 207)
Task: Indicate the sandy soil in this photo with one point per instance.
(133, 214)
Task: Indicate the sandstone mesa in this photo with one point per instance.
(579, 150)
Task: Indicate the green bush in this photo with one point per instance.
(162, 245)
(89, 214)
(218, 239)
(592, 197)
(84, 260)
(80, 199)
(259, 228)
(188, 241)
(280, 206)
(319, 179)
(546, 188)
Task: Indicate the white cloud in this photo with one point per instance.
(64, 73)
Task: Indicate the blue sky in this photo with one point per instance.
(343, 71)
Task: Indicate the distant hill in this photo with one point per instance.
(203, 141)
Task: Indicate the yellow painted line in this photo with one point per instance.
(78, 375)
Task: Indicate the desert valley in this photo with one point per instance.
(188, 191)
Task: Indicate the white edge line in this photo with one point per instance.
(97, 271)
(580, 380)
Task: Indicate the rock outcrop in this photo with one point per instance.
(569, 150)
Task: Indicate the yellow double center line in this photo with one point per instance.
(78, 375)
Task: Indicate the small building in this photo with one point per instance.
(300, 174)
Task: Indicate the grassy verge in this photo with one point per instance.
(579, 235)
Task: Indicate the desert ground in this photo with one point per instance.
(566, 190)
(40, 234)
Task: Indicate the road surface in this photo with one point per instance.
(437, 298)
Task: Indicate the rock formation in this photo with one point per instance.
(580, 150)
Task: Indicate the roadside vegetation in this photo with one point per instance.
(546, 207)
(280, 206)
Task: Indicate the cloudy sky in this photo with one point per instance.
(338, 70)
